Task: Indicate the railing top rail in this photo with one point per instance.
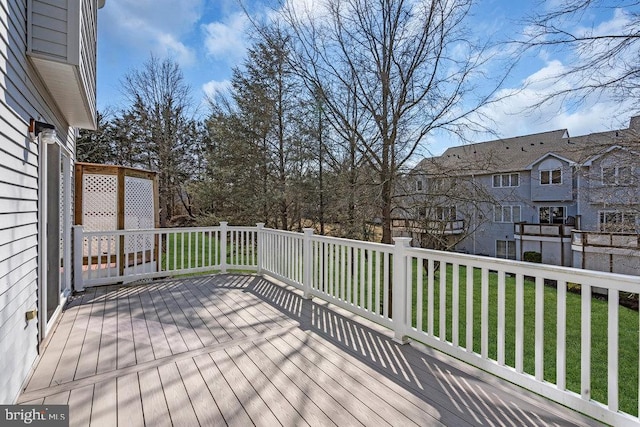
(588, 277)
(287, 232)
(383, 247)
(168, 230)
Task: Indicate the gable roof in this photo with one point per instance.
(520, 153)
(546, 156)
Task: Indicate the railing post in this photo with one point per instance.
(223, 246)
(78, 253)
(400, 287)
(260, 243)
(307, 264)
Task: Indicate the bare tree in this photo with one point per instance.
(599, 60)
(407, 66)
(160, 109)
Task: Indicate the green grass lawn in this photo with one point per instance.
(628, 332)
(196, 250)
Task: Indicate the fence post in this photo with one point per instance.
(78, 253)
(260, 242)
(400, 287)
(307, 263)
(223, 246)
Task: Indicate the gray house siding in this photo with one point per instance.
(589, 183)
(22, 96)
(546, 191)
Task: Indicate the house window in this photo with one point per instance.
(419, 185)
(548, 177)
(619, 221)
(422, 212)
(552, 214)
(617, 175)
(506, 180)
(506, 249)
(446, 213)
(506, 213)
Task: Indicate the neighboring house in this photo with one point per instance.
(506, 197)
(47, 82)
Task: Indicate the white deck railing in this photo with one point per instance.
(420, 294)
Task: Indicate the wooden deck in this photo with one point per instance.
(240, 350)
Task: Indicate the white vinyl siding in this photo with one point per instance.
(22, 95)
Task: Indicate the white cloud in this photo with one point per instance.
(156, 26)
(226, 40)
(214, 88)
(517, 113)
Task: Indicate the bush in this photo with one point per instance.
(532, 256)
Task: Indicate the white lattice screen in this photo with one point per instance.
(114, 198)
(139, 212)
(100, 210)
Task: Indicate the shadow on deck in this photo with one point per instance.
(242, 350)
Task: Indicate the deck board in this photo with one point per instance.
(204, 406)
(241, 350)
(129, 400)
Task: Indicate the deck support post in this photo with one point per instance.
(400, 286)
(78, 253)
(307, 263)
(223, 246)
(260, 243)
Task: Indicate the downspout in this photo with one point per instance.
(475, 213)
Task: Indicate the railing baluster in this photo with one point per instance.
(501, 316)
(539, 329)
(455, 312)
(385, 284)
(378, 283)
(419, 297)
(443, 301)
(585, 343)
(190, 260)
(362, 285)
(519, 322)
(370, 283)
(430, 296)
(469, 309)
(349, 296)
(561, 336)
(484, 313)
(612, 349)
(109, 257)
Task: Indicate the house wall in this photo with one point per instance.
(551, 192)
(22, 95)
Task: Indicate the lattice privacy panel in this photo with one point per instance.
(100, 210)
(139, 212)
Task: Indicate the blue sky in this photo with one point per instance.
(208, 37)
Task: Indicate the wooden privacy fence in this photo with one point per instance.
(512, 319)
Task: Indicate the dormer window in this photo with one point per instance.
(551, 177)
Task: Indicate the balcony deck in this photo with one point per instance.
(242, 350)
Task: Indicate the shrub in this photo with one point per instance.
(532, 256)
